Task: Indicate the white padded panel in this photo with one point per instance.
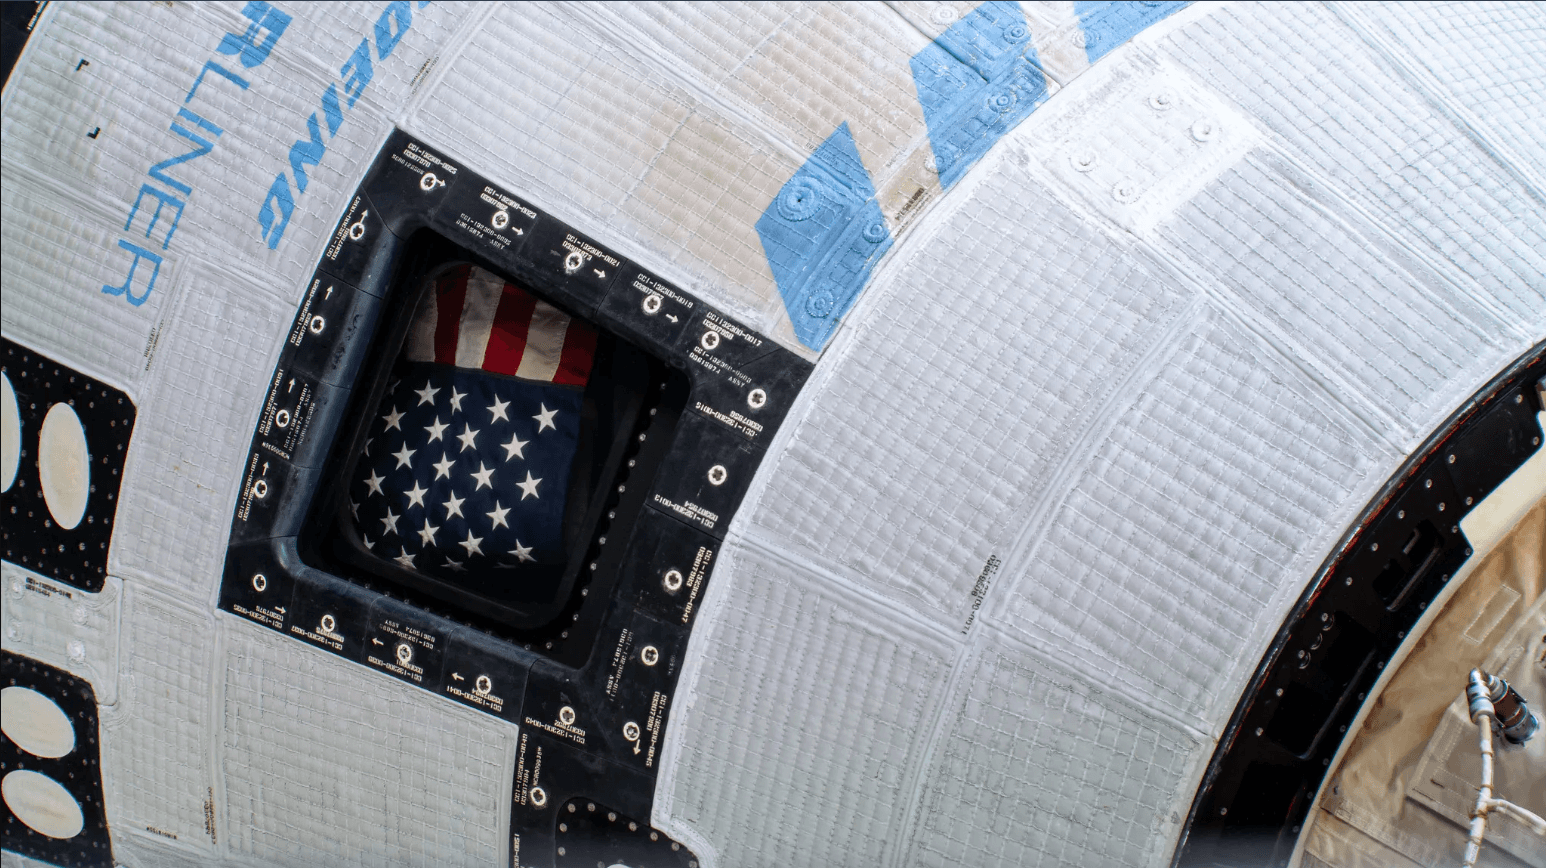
(1194, 524)
(1309, 79)
(63, 626)
(802, 68)
(610, 142)
(140, 70)
(324, 35)
(1490, 55)
(54, 258)
(806, 723)
(1355, 311)
(327, 763)
(976, 364)
(9, 859)
(210, 370)
(155, 744)
(1039, 768)
(133, 848)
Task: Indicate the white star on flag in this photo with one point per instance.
(497, 410)
(529, 487)
(471, 544)
(443, 467)
(405, 559)
(392, 419)
(454, 505)
(427, 533)
(484, 475)
(469, 438)
(545, 418)
(456, 399)
(513, 448)
(498, 515)
(402, 455)
(374, 482)
(436, 430)
(522, 553)
(416, 494)
(389, 523)
(427, 394)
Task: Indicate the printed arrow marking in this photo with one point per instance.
(279, 609)
(375, 641)
(671, 317)
(457, 676)
(636, 748)
(599, 272)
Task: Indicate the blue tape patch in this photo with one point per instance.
(975, 82)
(823, 234)
(1108, 24)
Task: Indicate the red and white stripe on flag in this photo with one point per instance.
(476, 319)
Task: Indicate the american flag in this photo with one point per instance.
(466, 469)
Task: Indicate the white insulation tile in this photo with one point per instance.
(1195, 523)
(55, 257)
(964, 383)
(155, 744)
(63, 626)
(327, 763)
(801, 68)
(601, 135)
(1308, 78)
(1491, 56)
(210, 371)
(1040, 768)
(805, 726)
(1400, 342)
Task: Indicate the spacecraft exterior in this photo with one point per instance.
(721, 434)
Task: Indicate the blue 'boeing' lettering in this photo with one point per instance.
(354, 76)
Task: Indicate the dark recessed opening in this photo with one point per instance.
(1419, 553)
(1302, 713)
(478, 472)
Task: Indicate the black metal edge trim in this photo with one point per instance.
(1517, 378)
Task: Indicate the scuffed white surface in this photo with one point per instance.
(1051, 490)
(324, 766)
(1491, 56)
(1400, 343)
(1040, 768)
(808, 723)
(62, 626)
(959, 392)
(210, 369)
(1215, 497)
(156, 743)
(1379, 142)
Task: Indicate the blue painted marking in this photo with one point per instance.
(823, 234)
(976, 82)
(1108, 24)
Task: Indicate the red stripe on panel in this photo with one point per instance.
(579, 352)
(507, 337)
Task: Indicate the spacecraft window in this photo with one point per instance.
(489, 436)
